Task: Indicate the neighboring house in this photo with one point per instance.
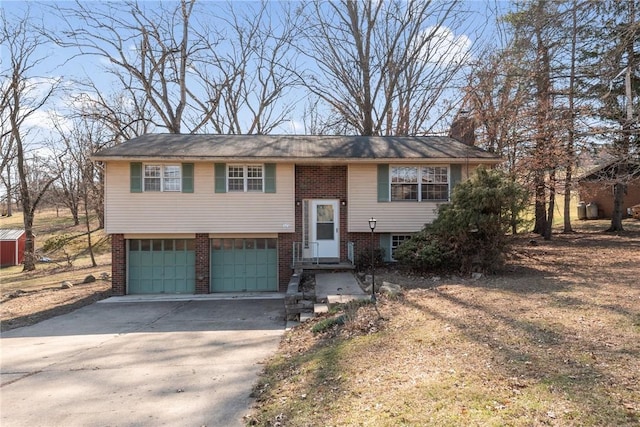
(596, 186)
(12, 244)
(230, 213)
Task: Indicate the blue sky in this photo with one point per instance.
(60, 63)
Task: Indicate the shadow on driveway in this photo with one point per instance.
(184, 362)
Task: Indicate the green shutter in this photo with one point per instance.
(383, 183)
(221, 178)
(456, 176)
(136, 177)
(270, 178)
(187, 177)
(385, 244)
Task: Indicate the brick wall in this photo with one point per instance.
(322, 182)
(202, 263)
(285, 259)
(602, 195)
(363, 242)
(118, 264)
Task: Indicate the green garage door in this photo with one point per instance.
(244, 265)
(162, 266)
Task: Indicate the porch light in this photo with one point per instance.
(372, 226)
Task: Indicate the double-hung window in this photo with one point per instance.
(419, 183)
(435, 183)
(246, 178)
(162, 178)
(396, 241)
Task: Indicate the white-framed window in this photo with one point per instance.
(162, 178)
(245, 178)
(397, 240)
(435, 183)
(419, 183)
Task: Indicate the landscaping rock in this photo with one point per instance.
(89, 279)
(66, 285)
(390, 289)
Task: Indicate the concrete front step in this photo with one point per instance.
(320, 308)
(343, 299)
(306, 316)
(336, 284)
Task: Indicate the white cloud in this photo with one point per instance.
(443, 47)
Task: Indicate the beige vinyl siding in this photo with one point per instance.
(160, 236)
(392, 217)
(203, 211)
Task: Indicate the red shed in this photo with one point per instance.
(12, 247)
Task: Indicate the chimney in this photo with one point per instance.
(463, 128)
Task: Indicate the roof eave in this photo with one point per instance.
(298, 160)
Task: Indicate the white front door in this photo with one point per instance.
(325, 228)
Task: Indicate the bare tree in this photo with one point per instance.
(148, 50)
(26, 95)
(383, 67)
(497, 96)
(615, 78)
(186, 69)
(7, 148)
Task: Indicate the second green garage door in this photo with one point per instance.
(244, 265)
(162, 266)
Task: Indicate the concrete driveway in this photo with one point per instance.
(177, 363)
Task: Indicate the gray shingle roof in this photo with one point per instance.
(292, 147)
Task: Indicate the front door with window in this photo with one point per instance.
(325, 228)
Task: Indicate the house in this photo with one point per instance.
(12, 244)
(596, 186)
(236, 213)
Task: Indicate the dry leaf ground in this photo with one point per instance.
(554, 340)
(30, 297)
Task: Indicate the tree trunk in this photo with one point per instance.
(74, 213)
(552, 203)
(29, 260)
(620, 188)
(9, 194)
(540, 224)
(29, 247)
(571, 135)
(618, 199)
(87, 222)
(567, 199)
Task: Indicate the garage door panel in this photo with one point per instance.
(161, 266)
(239, 265)
(251, 283)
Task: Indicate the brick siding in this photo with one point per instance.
(202, 263)
(362, 242)
(602, 194)
(118, 264)
(285, 259)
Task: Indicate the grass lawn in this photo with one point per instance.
(47, 274)
(553, 340)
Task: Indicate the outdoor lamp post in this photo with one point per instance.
(372, 226)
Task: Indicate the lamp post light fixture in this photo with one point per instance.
(372, 226)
